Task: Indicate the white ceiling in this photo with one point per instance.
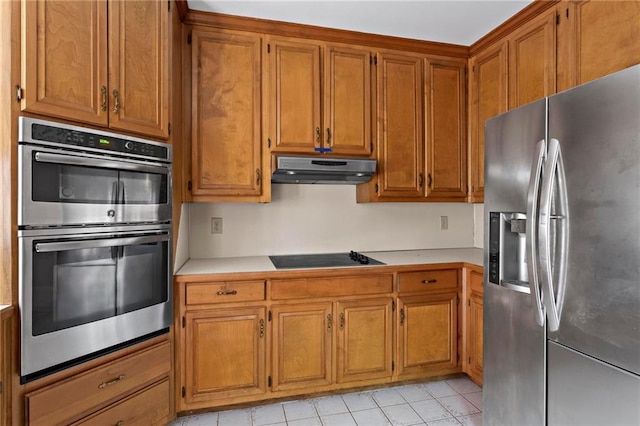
(447, 21)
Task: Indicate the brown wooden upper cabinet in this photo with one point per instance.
(445, 130)
(226, 115)
(568, 44)
(421, 107)
(596, 38)
(400, 125)
(532, 60)
(319, 97)
(488, 93)
(101, 63)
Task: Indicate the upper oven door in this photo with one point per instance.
(60, 187)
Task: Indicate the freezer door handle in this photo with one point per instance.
(532, 230)
(553, 177)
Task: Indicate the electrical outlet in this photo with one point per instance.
(216, 225)
(444, 223)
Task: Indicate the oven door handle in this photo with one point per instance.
(107, 242)
(46, 157)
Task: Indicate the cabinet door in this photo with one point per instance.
(488, 92)
(139, 67)
(226, 114)
(294, 96)
(474, 344)
(400, 133)
(347, 101)
(64, 65)
(364, 339)
(446, 158)
(225, 354)
(302, 336)
(532, 60)
(427, 334)
(596, 38)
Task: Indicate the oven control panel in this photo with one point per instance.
(75, 136)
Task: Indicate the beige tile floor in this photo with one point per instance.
(447, 402)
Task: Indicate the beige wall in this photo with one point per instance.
(478, 226)
(324, 218)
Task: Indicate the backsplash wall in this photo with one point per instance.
(324, 218)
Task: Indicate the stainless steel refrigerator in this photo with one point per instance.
(562, 258)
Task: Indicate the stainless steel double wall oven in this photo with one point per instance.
(94, 237)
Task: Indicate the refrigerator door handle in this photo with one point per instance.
(532, 232)
(553, 172)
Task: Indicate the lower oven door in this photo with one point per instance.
(82, 293)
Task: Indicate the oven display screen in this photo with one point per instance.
(105, 142)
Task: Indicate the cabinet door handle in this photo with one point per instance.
(329, 322)
(429, 180)
(103, 91)
(328, 136)
(258, 177)
(402, 316)
(261, 327)
(116, 96)
(431, 281)
(227, 293)
(318, 136)
(341, 321)
(111, 382)
(120, 423)
(420, 180)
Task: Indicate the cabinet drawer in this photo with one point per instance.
(150, 406)
(331, 287)
(224, 292)
(66, 400)
(475, 281)
(412, 282)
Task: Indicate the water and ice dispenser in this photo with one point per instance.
(507, 250)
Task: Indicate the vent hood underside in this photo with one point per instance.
(322, 170)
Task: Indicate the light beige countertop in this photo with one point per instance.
(225, 265)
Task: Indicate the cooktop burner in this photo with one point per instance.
(324, 260)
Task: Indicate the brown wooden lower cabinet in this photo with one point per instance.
(313, 332)
(474, 325)
(6, 317)
(427, 334)
(365, 339)
(111, 388)
(150, 407)
(225, 357)
(302, 341)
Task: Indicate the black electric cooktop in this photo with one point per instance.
(324, 260)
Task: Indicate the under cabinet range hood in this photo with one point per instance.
(322, 170)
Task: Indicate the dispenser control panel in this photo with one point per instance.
(494, 247)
